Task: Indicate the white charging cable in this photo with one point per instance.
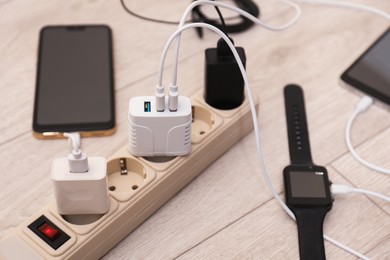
(74, 141)
(255, 124)
(361, 107)
(366, 101)
(77, 160)
(254, 116)
(173, 89)
(344, 189)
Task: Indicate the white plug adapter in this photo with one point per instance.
(81, 192)
(153, 133)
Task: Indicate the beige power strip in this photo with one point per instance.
(137, 188)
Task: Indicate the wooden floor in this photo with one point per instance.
(228, 211)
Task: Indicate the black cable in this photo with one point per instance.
(127, 9)
(148, 18)
(246, 5)
(197, 16)
(222, 20)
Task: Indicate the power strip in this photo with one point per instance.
(137, 187)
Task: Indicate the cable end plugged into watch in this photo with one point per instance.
(342, 189)
(80, 183)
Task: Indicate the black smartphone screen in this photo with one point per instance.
(371, 72)
(75, 87)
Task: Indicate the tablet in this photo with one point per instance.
(370, 73)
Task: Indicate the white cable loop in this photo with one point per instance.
(229, 7)
(247, 87)
(186, 13)
(363, 105)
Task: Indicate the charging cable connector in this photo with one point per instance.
(364, 104)
(344, 189)
(361, 107)
(160, 98)
(77, 160)
(173, 98)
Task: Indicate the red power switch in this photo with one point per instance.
(50, 232)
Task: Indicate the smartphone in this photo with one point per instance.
(74, 89)
(370, 73)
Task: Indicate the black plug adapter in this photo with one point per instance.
(224, 85)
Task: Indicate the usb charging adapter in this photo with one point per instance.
(80, 182)
(159, 133)
(224, 85)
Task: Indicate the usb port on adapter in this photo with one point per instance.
(147, 106)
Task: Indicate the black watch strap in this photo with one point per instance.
(311, 238)
(298, 134)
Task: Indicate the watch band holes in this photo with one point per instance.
(297, 123)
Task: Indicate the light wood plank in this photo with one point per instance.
(220, 214)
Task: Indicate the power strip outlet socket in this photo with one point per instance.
(138, 186)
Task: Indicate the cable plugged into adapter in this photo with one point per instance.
(77, 160)
(80, 183)
(153, 132)
(224, 85)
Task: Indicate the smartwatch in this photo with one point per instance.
(307, 187)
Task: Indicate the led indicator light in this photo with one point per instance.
(49, 231)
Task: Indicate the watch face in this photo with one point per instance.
(307, 186)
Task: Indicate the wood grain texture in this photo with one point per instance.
(228, 211)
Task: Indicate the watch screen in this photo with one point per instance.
(307, 184)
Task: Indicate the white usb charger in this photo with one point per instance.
(80, 183)
(156, 131)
